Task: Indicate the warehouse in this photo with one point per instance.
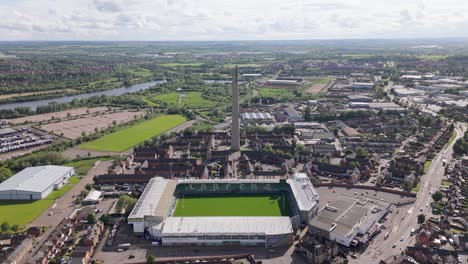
(35, 183)
(257, 118)
(347, 217)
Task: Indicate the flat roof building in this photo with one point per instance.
(35, 183)
(346, 217)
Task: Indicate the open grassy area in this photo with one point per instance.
(23, 212)
(129, 137)
(446, 183)
(82, 166)
(191, 100)
(276, 93)
(427, 164)
(182, 64)
(233, 205)
(416, 188)
(452, 138)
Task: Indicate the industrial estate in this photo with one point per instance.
(240, 152)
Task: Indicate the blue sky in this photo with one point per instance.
(230, 19)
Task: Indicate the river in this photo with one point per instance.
(66, 99)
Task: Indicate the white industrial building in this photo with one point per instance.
(348, 218)
(35, 183)
(257, 118)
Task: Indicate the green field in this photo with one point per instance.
(84, 165)
(233, 205)
(191, 100)
(182, 64)
(129, 137)
(243, 65)
(23, 212)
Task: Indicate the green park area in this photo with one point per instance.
(235, 205)
(192, 100)
(182, 64)
(23, 212)
(129, 137)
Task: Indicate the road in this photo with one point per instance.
(400, 224)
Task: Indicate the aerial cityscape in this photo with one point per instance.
(150, 140)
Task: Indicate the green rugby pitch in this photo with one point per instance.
(233, 205)
(129, 137)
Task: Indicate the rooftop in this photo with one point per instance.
(35, 179)
(304, 191)
(268, 225)
(256, 115)
(347, 213)
(150, 198)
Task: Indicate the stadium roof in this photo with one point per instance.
(303, 191)
(35, 179)
(268, 225)
(150, 199)
(256, 115)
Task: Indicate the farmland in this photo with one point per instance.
(191, 100)
(73, 129)
(182, 64)
(128, 137)
(235, 205)
(57, 115)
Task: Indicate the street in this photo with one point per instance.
(400, 225)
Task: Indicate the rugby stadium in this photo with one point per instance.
(224, 211)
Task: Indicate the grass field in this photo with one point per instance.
(84, 165)
(23, 212)
(248, 205)
(182, 64)
(427, 164)
(191, 100)
(129, 137)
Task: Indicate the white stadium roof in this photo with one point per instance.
(268, 225)
(303, 191)
(150, 198)
(35, 179)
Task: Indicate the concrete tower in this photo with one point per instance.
(235, 131)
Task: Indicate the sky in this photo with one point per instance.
(231, 19)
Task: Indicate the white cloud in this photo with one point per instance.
(230, 19)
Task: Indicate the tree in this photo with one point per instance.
(150, 259)
(437, 196)
(91, 218)
(126, 203)
(307, 115)
(104, 218)
(362, 152)
(421, 219)
(88, 187)
(5, 226)
(15, 228)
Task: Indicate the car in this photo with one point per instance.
(427, 204)
(422, 209)
(386, 235)
(412, 232)
(394, 246)
(402, 238)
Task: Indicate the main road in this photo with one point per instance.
(403, 219)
